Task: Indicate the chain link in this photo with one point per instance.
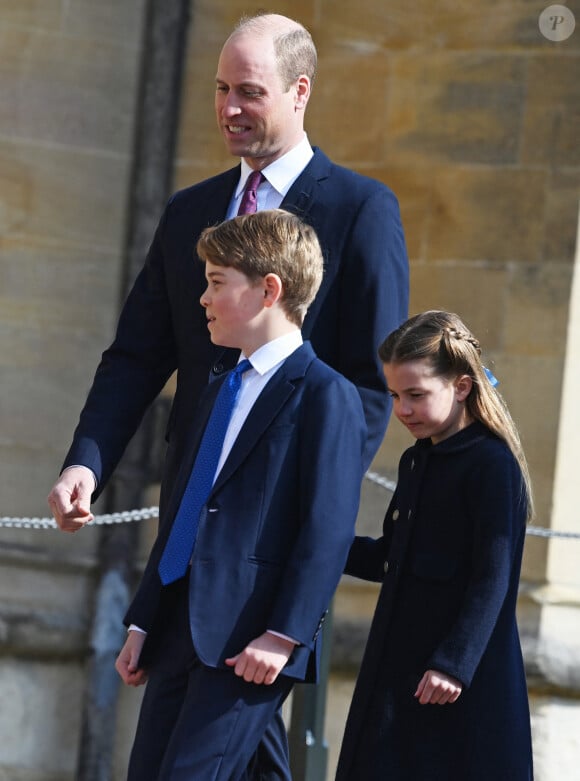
(153, 512)
(100, 520)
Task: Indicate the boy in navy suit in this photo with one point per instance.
(221, 646)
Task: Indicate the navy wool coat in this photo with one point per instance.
(449, 560)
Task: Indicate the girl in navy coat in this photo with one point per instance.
(441, 694)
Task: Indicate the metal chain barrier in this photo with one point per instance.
(99, 520)
(153, 512)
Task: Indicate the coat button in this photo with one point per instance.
(386, 567)
(395, 515)
(218, 368)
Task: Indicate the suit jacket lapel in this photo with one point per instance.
(268, 404)
(301, 196)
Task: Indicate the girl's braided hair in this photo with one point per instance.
(443, 339)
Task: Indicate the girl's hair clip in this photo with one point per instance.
(493, 380)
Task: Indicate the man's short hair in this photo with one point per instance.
(272, 241)
(294, 48)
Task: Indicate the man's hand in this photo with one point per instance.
(436, 688)
(127, 664)
(70, 498)
(262, 659)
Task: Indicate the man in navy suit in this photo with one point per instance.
(263, 84)
(264, 79)
(228, 638)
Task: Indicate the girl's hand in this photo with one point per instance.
(436, 688)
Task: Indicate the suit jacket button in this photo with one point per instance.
(218, 368)
(386, 567)
(395, 515)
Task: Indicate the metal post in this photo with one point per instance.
(308, 748)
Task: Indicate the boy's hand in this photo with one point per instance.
(127, 664)
(436, 688)
(262, 659)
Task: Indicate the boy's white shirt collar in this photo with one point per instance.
(272, 353)
(283, 172)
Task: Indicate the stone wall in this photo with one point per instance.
(69, 73)
(464, 109)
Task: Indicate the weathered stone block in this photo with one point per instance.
(552, 121)
(43, 700)
(475, 291)
(465, 108)
(63, 195)
(60, 91)
(561, 225)
(355, 134)
(536, 312)
(107, 21)
(38, 14)
(422, 25)
(494, 214)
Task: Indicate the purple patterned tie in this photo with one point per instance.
(179, 545)
(249, 202)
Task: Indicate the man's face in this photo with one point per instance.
(258, 119)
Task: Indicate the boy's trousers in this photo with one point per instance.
(198, 723)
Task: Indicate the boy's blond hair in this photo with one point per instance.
(272, 241)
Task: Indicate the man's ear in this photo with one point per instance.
(302, 91)
(463, 386)
(273, 288)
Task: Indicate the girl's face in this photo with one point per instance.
(430, 406)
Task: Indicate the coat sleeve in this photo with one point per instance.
(132, 371)
(375, 265)
(333, 432)
(496, 510)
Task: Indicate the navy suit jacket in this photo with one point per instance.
(275, 532)
(162, 328)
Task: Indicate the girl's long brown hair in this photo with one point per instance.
(444, 340)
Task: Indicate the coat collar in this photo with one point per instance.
(464, 439)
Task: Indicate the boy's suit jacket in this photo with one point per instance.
(162, 328)
(276, 529)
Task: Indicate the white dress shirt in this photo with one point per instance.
(265, 361)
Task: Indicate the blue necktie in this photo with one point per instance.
(179, 546)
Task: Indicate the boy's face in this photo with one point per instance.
(233, 305)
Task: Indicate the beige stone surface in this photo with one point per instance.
(448, 24)
(552, 119)
(44, 14)
(41, 699)
(55, 89)
(464, 110)
(461, 107)
(562, 198)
